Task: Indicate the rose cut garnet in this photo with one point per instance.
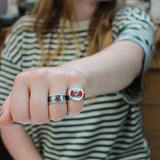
(57, 98)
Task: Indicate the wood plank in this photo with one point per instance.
(151, 119)
(155, 64)
(152, 87)
(151, 129)
(154, 144)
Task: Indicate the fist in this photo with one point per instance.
(28, 100)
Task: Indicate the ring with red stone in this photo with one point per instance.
(76, 93)
(57, 98)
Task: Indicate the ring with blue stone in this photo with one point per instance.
(76, 93)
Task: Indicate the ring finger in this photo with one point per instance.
(75, 103)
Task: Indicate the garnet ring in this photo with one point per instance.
(57, 98)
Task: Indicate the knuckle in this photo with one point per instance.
(45, 75)
(74, 76)
(21, 78)
(75, 110)
(74, 113)
(57, 112)
(20, 118)
(41, 75)
(58, 116)
(59, 75)
(36, 120)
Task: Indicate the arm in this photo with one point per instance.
(19, 144)
(112, 69)
(108, 71)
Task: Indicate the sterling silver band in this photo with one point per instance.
(57, 98)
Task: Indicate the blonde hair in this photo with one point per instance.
(49, 12)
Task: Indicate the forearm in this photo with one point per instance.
(112, 69)
(19, 144)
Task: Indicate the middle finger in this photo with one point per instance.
(57, 110)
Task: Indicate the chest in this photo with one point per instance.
(69, 47)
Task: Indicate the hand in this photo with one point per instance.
(28, 100)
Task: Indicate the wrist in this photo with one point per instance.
(79, 71)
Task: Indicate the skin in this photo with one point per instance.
(31, 88)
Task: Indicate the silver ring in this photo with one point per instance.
(76, 93)
(57, 98)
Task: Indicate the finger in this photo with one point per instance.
(75, 102)
(39, 103)
(75, 107)
(6, 119)
(20, 101)
(58, 111)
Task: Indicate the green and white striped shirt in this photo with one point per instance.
(109, 127)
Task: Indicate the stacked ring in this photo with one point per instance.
(57, 98)
(75, 93)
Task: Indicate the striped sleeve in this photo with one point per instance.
(10, 66)
(134, 25)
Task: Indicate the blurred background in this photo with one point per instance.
(11, 10)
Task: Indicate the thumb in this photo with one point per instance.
(6, 119)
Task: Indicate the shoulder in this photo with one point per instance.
(129, 15)
(128, 10)
(133, 22)
(23, 24)
(131, 12)
(14, 40)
